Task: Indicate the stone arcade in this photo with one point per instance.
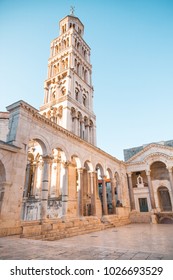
(54, 181)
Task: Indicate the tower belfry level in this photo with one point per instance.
(68, 99)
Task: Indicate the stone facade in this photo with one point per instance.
(54, 181)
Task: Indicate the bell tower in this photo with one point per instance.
(68, 98)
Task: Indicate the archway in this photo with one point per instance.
(2, 180)
(76, 186)
(102, 189)
(164, 199)
(32, 192)
(159, 171)
(88, 188)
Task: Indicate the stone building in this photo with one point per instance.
(54, 181)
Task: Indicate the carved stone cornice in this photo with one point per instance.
(153, 145)
(34, 114)
(8, 147)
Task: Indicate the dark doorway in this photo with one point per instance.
(165, 201)
(143, 204)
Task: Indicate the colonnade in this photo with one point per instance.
(77, 188)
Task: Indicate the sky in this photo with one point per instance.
(131, 53)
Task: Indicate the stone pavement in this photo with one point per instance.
(134, 241)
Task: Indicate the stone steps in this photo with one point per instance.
(114, 221)
(54, 230)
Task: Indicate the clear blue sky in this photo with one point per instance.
(132, 56)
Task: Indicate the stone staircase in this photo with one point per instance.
(58, 229)
(114, 221)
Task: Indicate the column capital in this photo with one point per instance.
(148, 172)
(129, 174)
(104, 177)
(80, 170)
(5, 184)
(91, 173)
(66, 164)
(47, 158)
(113, 180)
(169, 168)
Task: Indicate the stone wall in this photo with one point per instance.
(4, 118)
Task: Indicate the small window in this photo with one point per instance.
(77, 95)
(84, 100)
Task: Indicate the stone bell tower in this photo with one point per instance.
(68, 99)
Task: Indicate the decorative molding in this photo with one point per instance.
(35, 114)
(157, 146)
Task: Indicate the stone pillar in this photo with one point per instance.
(93, 193)
(65, 190)
(45, 186)
(82, 129)
(113, 185)
(151, 192)
(170, 178)
(104, 194)
(28, 167)
(35, 178)
(132, 199)
(58, 175)
(80, 191)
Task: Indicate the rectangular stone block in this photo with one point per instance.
(30, 230)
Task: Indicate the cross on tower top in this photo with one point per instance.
(72, 8)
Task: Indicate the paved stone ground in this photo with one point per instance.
(134, 241)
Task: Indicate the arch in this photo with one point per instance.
(99, 167)
(84, 99)
(2, 172)
(78, 68)
(75, 159)
(86, 76)
(43, 142)
(150, 159)
(88, 165)
(58, 153)
(118, 190)
(159, 171)
(2, 180)
(60, 147)
(166, 220)
(73, 112)
(109, 173)
(164, 199)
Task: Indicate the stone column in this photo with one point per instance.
(45, 186)
(151, 192)
(28, 167)
(80, 196)
(93, 193)
(35, 178)
(132, 199)
(82, 128)
(170, 178)
(65, 190)
(113, 185)
(104, 194)
(5, 189)
(58, 175)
